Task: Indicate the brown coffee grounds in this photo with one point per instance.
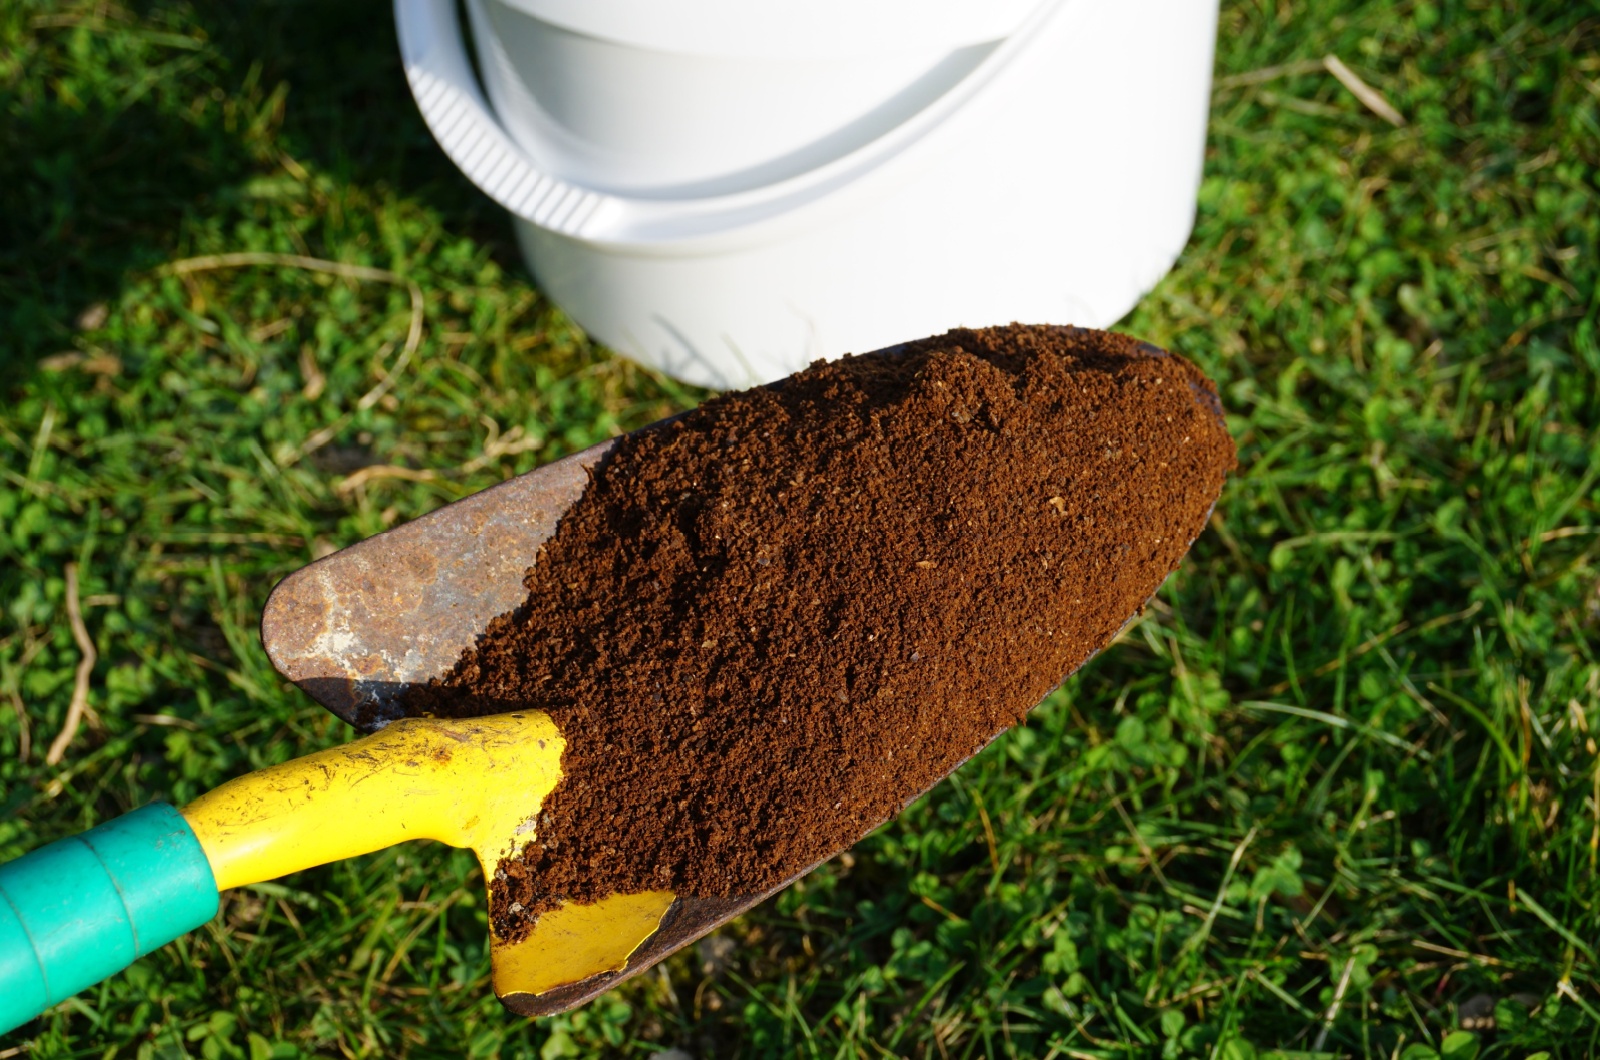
(772, 622)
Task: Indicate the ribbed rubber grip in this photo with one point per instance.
(84, 908)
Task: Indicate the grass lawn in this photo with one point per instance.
(1337, 794)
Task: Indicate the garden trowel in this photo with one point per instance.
(357, 630)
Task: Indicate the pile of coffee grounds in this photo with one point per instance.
(770, 623)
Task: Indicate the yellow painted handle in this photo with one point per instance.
(474, 783)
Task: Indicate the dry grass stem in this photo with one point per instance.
(355, 480)
(1370, 97)
(315, 381)
(32, 646)
(495, 447)
(24, 730)
(1268, 73)
(1458, 954)
(80, 684)
(1335, 1005)
(166, 720)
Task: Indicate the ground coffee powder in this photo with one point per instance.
(770, 623)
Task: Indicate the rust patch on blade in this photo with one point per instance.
(357, 628)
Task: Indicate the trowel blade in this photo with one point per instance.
(357, 629)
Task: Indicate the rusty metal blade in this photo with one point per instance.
(359, 627)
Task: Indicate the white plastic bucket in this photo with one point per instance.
(727, 190)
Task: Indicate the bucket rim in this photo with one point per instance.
(453, 106)
(784, 29)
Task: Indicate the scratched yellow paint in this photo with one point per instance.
(573, 942)
(475, 783)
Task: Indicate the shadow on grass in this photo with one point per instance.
(125, 129)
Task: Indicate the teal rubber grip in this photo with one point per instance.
(84, 908)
